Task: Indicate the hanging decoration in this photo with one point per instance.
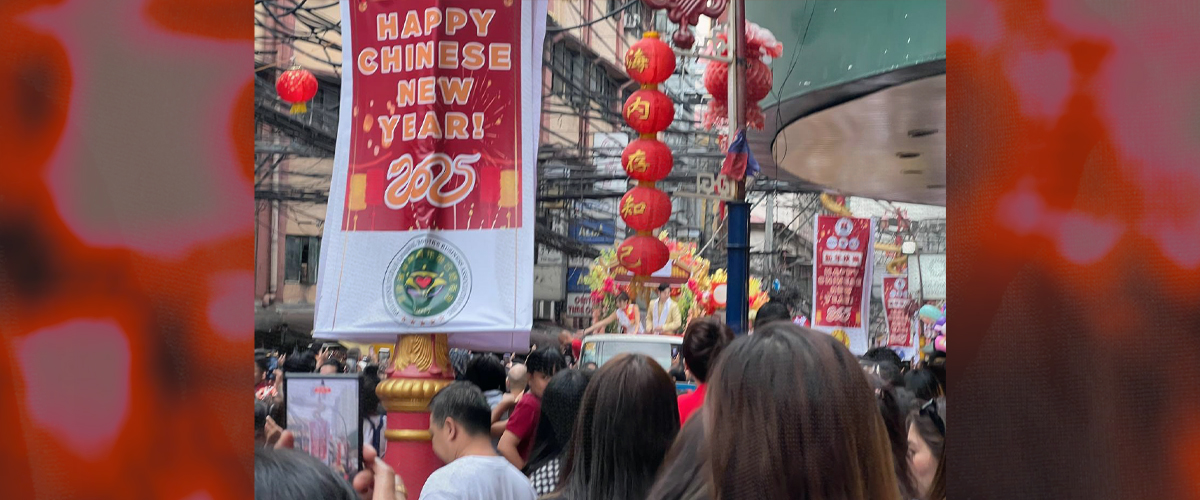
(645, 208)
(297, 86)
(761, 48)
(686, 13)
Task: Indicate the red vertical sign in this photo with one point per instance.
(842, 251)
(435, 142)
(896, 300)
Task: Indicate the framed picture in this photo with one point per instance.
(323, 414)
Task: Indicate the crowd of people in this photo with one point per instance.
(781, 413)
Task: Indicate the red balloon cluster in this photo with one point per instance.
(645, 208)
(760, 44)
(297, 86)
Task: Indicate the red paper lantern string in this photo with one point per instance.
(649, 111)
(645, 208)
(650, 61)
(647, 160)
(643, 254)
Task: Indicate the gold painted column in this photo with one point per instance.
(420, 368)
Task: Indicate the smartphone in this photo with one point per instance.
(323, 415)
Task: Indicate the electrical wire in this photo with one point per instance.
(618, 10)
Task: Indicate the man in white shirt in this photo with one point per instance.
(663, 316)
(460, 419)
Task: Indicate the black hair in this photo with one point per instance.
(664, 287)
(368, 400)
(923, 384)
(486, 372)
(560, 405)
(771, 311)
(301, 363)
(285, 474)
(261, 410)
(703, 341)
(623, 297)
(261, 361)
(465, 404)
(881, 354)
(545, 361)
(886, 370)
(678, 374)
(334, 363)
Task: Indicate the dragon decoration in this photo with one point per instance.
(696, 288)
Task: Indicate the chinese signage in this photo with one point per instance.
(842, 268)
(433, 178)
(896, 301)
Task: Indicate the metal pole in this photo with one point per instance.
(737, 310)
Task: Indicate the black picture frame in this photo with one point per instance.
(322, 420)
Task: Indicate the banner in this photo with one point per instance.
(579, 305)
(431, 203)
(896, 300)
(842, 263)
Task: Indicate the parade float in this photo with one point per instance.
(697, 289)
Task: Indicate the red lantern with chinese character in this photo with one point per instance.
(645, 208)
(649, 111)
(297, 86)
(650, 60)
(643, 254)
(647, 160)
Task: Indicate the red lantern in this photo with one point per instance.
(649, 111)
(650, 60)
(758, 80)
(645, 208)
(647, 160)
(643, 255)
(297, 86)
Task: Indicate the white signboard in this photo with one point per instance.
(579, 305)
(549, 282)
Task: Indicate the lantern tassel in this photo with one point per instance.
(299, 108)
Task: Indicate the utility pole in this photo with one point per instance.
(737, 308)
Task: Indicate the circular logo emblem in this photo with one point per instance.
(843, 243)
(427, 283)
(854, 243)
(841, 336)
(843, 227)
(901, 284)
(832, 242)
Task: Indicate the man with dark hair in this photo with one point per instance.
(487, 373)
(459, 419)
(703, 342)
(517, 440)
(662, 317)
(889, 365)
(331, 367)
(771, 311)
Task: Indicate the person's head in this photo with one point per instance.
(882, 354)
(927, 448)
(771, 312)
(354, 354)
(591, 365)
(889, 373)
(486, 372)
(893, 408)
(518, 378)
(623, 300)
(703, 341)
(626, 422)
(368, 400)
(260, 369)
(300, 363)
(284, 474)
(800, 397)
(681, 475)
(560, 405)
(923, 384)
(261, 411)
(459, 416)
(543, 364)
(664, 291)
(330, 367)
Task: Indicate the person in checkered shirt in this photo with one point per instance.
(560, 404)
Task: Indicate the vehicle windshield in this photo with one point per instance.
(601, 352)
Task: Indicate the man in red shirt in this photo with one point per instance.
(517, 441)
(703, 341)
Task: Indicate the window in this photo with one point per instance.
(302, 253)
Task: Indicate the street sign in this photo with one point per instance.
(575, 277)
(712, 187)
(593, 232)
(579, 305)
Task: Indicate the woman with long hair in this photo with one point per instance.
(626, 423)
(683, 473)
(927, 448)
(627, 316)
(560, 405)
(892, 407)
(790, 416)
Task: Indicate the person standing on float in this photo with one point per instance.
(626, 315)
(662, 317)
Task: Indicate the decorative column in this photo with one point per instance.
(420, 368)
(645, 208)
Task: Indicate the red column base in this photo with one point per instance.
(421, 368)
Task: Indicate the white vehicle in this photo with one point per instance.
(601, 348)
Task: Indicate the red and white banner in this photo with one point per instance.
(896, 300)
(843, 261)
(431, 204)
